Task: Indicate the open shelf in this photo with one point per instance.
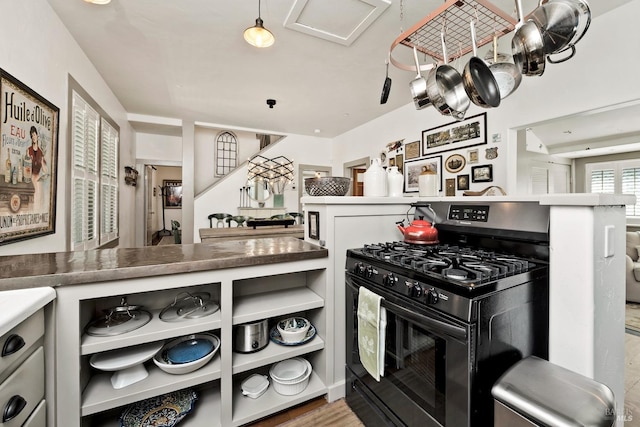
(246, 409)
(99, 395)
(155, 330)
(205, 412)
(273, 353)
(265, 305)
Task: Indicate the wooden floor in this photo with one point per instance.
(631, 388)
(283, 417)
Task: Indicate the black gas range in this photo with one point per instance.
(459, 313)
(443, 276)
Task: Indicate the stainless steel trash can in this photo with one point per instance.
(535, 392)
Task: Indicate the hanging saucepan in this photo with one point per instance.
(386, 87)
(445, 88)
(478, 79)
(507, 75)
(418, 86)
(562, 24)
(527, 46)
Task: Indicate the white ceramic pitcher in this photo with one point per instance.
(395, 182)
(375, 180)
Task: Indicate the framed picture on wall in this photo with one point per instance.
(482, 173)
(414, 168)
(463, 182)
(28, 159)
(314, 225)
(399, 162)
(453, 136)
(412, 150)
(172, 194)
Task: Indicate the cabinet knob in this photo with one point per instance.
(11, 410)
(12, 344)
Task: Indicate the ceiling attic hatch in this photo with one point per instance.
(317, 18)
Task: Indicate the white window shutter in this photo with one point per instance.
(94, 177)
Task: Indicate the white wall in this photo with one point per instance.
(205, 147)
(603, 72)
(160, 148)
(38, 50)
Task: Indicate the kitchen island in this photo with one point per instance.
(250, 279)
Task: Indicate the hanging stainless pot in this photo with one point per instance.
(478, 79)
(507, 75)
(527, 46)
(445, 88)
(562, 24)
(418, 86)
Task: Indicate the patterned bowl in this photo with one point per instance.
(327, 186)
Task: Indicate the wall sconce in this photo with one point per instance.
(130, 176)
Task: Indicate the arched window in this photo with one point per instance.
(226, 153)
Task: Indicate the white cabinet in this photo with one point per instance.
(86, 396)
(22, 378)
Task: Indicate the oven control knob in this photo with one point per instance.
(368, 272)
(389, 279)
(359, 269)
(432, 296)
(416, 290)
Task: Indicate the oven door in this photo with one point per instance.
(427, 374)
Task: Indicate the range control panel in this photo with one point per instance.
(469, 213)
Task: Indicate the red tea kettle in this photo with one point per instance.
(419, 232)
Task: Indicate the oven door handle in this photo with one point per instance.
(419, 319)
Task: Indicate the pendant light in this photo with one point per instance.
(257, 35)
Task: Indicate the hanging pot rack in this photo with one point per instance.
(454, 16)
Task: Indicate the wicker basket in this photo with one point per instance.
(327, 186)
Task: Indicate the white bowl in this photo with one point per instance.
(293, 329)
(289, 370)
(293, 388)
(183, 368)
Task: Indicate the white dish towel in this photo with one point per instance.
(372, 322)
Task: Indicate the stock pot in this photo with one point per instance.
(527, 46)
(445, 88)
(562, 24)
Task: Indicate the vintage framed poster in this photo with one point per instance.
(28, 161)
(414, 168)
(172, 192)
(459, 134)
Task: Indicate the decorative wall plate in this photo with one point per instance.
(455, 163)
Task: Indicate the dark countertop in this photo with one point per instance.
(71, 268)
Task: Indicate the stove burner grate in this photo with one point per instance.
(456, 264)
